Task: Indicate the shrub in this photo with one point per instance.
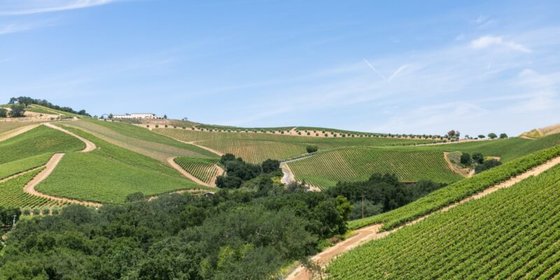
(466, 159)
(311, 149)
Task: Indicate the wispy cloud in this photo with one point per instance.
(30, 7)
(11, 28)
(493, 41)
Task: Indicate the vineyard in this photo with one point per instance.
(37, 141)
(18, 166)
(12, 195)
(256, 147)
(512, 234)
(357, 164)
(139, 140)
(109, 174)
(204, 169)
(457, 191)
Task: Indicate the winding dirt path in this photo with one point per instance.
(172, 163)
(90, 146)
(20, 130)
(194, 143)
(373, 232)
(43, 175)
(288, 177)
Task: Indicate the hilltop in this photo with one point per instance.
(155, 186)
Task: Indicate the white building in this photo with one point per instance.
(136, 116)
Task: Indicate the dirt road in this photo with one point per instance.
(288, 177)
(43, 175)
(20, 130)
(373, 232)
(90, 146)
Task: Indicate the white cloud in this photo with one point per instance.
(29, 7)
(21, 27)
(493, 41)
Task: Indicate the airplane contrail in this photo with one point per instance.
(375, 70)
(397, 72)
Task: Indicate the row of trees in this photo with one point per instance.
(380, 193)
(16, 111)
(26, 101)
(455, 134)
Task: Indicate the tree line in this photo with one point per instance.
(26, 101)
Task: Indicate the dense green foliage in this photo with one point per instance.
(358, 163)
(37, 141)
(380, 193)
(457, 191)
(110, 173)
(512, 234)
(238, 171)
(231, 235)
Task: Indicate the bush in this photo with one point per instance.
(487, 165)
(478, 158)
(270, 165)
(3, 113)
(311, 149)
(466, 159)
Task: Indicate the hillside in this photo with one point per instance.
(541, 132)
(511, 234)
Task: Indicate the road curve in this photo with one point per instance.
(15, 132)
(373, 232)
(49, 168)
(90, 146)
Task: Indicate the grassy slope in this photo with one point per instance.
(507, 235)
(139, 140)
(256, 147)
(110, 173)
(37, 141)
(358, 163)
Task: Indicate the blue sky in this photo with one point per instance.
(399, 66)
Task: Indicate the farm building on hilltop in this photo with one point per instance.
(136, 116)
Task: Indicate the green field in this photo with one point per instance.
(12, 195)
(201, 168)
(358, 163)
(17, 166)
(37, 141)
(257, 147)
(110, 173)
(458, 191)
(139, 140)
(512, 234)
